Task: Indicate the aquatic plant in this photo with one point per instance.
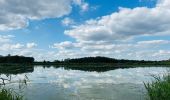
(159, 89)
(8, 94)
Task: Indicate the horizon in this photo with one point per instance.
(61, 29)
(9, 55)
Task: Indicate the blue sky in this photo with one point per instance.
(123, 29)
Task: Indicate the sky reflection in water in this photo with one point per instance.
(60, 84)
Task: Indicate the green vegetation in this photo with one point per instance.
(15, 59)
(159, 89)
(7, 94)
(6, 72)
(101, 64)
(21, 60)
(105, 61)
(16, 64)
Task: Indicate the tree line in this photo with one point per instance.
(100, 59)
(16, 59)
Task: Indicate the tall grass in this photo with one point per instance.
(7, 94)
(10, 94)
(159, 89)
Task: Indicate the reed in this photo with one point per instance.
(8, 94)
(159, 89)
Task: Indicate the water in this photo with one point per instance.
(50, 83)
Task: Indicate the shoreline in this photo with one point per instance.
(88, 64)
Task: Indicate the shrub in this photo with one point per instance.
(7, 94)
(159, 89)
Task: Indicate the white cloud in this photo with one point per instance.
(7, 44)
(16, 46)
(14, 14)
(135, 50)
(31, 45)
(96, 37)
(83, 5)
(69, 49)
(153, 42)
(162, 53)
(5, 38)
(148, 50)
(67, 21)
(125, 24)
(8, 47)
(65, 45)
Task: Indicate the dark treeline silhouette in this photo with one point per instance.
(91, 60)
(100, 59)
(16, 59)
(85, 60)
(18, 64)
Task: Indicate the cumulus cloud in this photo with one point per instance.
(105, 47)
(67, 21)
(63, 45)
(16, 14)
(16, 46)
(125, 23)
(7, 44)
(105, 35)
(70, 49)
(96, 37)
(154, 42)
(7, 47)
(5, 38)
(135, 50)
(31, 45)
(162, 53)
(151, 45)
(83, 5)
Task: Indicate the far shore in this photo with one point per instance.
(89, 64)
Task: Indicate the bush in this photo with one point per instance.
(7, 94)
(159, 89)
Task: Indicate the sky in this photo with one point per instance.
(60, 29)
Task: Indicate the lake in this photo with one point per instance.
(58, 83)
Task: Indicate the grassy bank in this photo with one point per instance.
(159, 89)
(6, 94)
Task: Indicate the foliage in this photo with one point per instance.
(99, 59)
(7, 94)
(10, 94)
(159, 89)
(16, 59)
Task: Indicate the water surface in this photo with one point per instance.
(50, 83)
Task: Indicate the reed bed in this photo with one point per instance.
(159, 89)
